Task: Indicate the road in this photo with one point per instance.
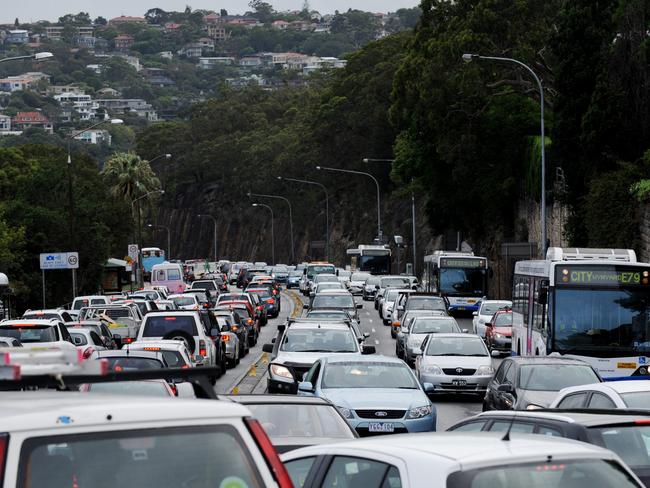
(249, 379)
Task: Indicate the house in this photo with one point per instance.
(88, 31)
(95, 136)
(28, 120)
(58, 89)
(108, 92)
(22, 82)
(17, 36)
(301, 25)
(95, 68)
(211, 18)
(5, 123)
(157, 77)
(211, 62)
(123, 42)
(77, 104)
(207, 43)
(171, 26)
(124, 19)
(86, 42)
(135, 106)
(280, 24)
(166, 55)
(192, 50)
(250, 61)
(54, 32)
(217, 32)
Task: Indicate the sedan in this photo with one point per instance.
(409, 342)
(633, 394)
(485, 312)
(375, 394)
(454, 363)
(529, 383)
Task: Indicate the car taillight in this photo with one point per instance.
(249, 321)
(202, 350)
(234, 328)
(270, 301)
(225, 338)
(4, 444)
(260, 308)
(127, 340)
(270, 454)
(174, 389)
(88, 352)
(206, 305)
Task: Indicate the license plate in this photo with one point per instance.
(460, 308)
(459, 382)
(385, 427)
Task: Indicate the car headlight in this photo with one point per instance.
(432, 369)
(484, 371)
(281, 371)
(419, 412)
(532, 406)
(498, 336)
(346, 412)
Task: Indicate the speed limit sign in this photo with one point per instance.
(133, 251)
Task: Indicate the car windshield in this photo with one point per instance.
(425, 303)
(503, 320)
(359, 276)
(555, 473)
(31, 333)
(334, 314)
(140, 388)
(456, 346)
(132, 363)
(631, 442)
(393, 282)
(333, 301)
(319, 340)
(162, 325)
(213, 456)
(368, 375)
(426, 326)
(391, 295)
(554, 377)
(279, 269)
(491, 307)
(184, 301)
(326, 279)
(637, 399)
(299, 420)
(295, 273)
(330, 286)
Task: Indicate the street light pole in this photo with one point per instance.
(468, 58)
(272, 230)
(327, 207)
(278, 197)
(139, 227)
(169, 238)
(379, 233)
(215, 233)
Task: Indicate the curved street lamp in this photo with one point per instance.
(278, 197)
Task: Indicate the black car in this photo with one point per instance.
(526, 383)
(293, 422)
(625, 432)
(247, 274)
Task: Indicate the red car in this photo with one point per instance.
(498, 332)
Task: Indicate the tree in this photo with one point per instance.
(223, 12)
(16, 23)
(263, 10)
(156, 16)
(100, 21)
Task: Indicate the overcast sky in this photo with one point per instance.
(33, 10)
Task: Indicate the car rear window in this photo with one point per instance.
(163, 325)
(41, 316)
(184, 301)
(631, 442)
(139, 388)
(132, 363)
(25, 334)
(79, 339)
(212, 455)
(203, 285)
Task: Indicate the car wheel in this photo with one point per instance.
(232, 362)
(223, 365)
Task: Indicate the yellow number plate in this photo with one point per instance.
(626, 365)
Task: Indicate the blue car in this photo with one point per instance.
(293, 280)
(376, 394)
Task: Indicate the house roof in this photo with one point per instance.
(30, 117)
(124, 37)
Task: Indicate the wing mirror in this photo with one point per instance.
(475, 314)
(306, 386)
(359, 305)
(267, 348)
(506, 388)
(495, 353)
(368, 350)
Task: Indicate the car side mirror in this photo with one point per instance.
(273, 341)
(305, 306)
(506, 388)
(366, 335)
(368, 350)
(495, 353)
(400, 307)
(465, 331)
(281, 327)
(359, 305)
(428, 387)
(306, 386)
(267, 348)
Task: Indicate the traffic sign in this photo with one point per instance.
(59, 260)
(133, 251)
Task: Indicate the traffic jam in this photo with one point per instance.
(238, 374)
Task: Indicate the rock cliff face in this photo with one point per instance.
(244, 232)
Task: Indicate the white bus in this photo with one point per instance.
(373, 259)
(461, 277)
(591, 304)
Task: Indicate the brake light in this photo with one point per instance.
(151, 348)
(260, 308)
(4, 444)
(642, 422)
(206, 305)
(234, 328)
(225, 338)
(174, 389)
(127, 340)
(170, 318)
(88, 352)
(270, 301)
(249, 321)
(202, 350)
(270, 454)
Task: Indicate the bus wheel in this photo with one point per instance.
(518, 348)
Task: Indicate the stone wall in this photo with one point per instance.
(644, 232)
(528, 215)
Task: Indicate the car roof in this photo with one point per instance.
(29, 321)
(544, 360)
(80, 330)
(340, 291)
(371, 358)
(167, 345)
(628, 386)
(277, 400)
(590, 418)
(33, 410)
(169, 313)
(467, 450)
(455, 335)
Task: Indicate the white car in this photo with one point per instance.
(175, 353)
(387, 303)
(357, 282)
(184, 301)
(86, 301)
(87, 341)
(485, 313)
(634, 394)
(53, 313)
(38, 333)
(459, 460)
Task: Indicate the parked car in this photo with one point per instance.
(528, 383)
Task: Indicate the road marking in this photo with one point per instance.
(370, 320)
(373, 330)
(253, 370)
(376, 342)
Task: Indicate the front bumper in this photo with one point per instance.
(356, 290)
(453, 384)
(400, 426)
(501, 344)
(464, 307)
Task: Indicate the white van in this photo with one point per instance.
(169, 275)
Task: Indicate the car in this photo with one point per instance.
(126, 360)
(375, 394)
(293, 280)
(386, 282)
(337, 314)
(267, 299)
(339, 299)
(528, 383)
(185, 301)
(188, 327)
(236, 326)
(329, 285)
(299, 344)
(175, 352)
(249, 320)
(293, 422)
(454, 363)
(498, 332)
(38, 333)
(210, 285)
(229, 341)
(357, 282)
(150, 294)
(633, 394)
(86, 341)
(458, 460)
(87, 300)
(485, 312)
(247, 274)
(344, 277)
(58, 314)
(386, 303)
(233, 272)
(204, 297)
(99, 327)
(123, 319)
(64, 439)
(409, 341)
(280, 273)
(420, 301)
(143, 304)
(166, 305)
(146, 388)
(370, 288)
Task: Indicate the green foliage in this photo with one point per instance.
(358, 26)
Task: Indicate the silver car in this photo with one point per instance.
(455, 363)
(416, 332)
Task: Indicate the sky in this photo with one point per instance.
(33, 10)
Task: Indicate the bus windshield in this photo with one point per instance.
(463, 281)
(379, 265)
(607, 320)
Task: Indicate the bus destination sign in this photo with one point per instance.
(462, 263)
(601, 276)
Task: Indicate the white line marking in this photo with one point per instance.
(373, 331)
(376, 342)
